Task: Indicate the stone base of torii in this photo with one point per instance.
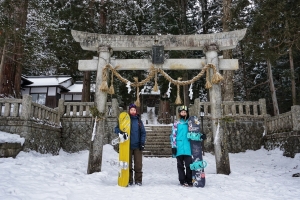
(104, 44)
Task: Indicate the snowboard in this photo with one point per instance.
(198, 165)
(124, 150)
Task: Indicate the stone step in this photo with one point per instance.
(158, 128)
(160, 156)
(159, 150)
(156, 143)
(165, 136)
(158, 133)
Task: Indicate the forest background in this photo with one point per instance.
(36, 40)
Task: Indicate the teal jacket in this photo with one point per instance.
(179, 138)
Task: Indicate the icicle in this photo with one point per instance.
(217, 134)
(94, 129)
(169, 90)
(191, 91)
(128, 86)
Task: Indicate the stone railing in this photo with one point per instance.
(25, 109)
(280, 123)
(285, 122)
(38, 112)
(10, 107)
(232, 108)
(82, 109)
(76, 109)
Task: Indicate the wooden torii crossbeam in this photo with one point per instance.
(209, 43)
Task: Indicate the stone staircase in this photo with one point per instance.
(158, 141)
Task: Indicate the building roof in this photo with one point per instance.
(47, 80)
(77, 87)
(25, 81)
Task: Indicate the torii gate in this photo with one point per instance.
(209, 43)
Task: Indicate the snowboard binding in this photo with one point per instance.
(120, 139)
(198, 165)
(194, 136)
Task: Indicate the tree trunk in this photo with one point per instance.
(292, 76)
(12, 67)
(182, 6)
(272, 88)
(2, 67)
(227, 87)
(86, 88)
(204, 16)
(102, 21)
(21, 19)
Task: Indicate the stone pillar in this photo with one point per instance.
(61, 110)
(220, 143)
(262, 106)
(296, 117)
(26, 107)
(115, 108)
(96, 146)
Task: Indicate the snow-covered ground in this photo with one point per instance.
(255, 175)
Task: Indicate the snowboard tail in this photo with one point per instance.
(124, 150)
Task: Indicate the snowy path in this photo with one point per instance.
(255, 175)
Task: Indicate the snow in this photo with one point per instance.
(255, 175)
(11, 138)
(39, 81)
(77, 88)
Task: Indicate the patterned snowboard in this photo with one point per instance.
(197, 167)
(124, 150)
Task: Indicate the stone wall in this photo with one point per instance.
(242, 134)
(244, 125)
(288, 142)
(77, 128)
(39, 137)
(283, 131)
(76, 133)
(10, 149)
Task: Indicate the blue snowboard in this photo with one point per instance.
(197, 167)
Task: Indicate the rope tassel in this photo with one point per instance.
(104, 86)
(178, 99)
(137, 102)
(111, 88)
(208, 85)
(155, 87)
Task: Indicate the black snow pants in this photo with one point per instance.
(183, 167)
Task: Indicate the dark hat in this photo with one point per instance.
(132, 106)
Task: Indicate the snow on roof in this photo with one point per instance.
(77, 88)
(49, 80)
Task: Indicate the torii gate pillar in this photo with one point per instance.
(220, 146)
(96, 146)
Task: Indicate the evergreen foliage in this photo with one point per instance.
(273, 30)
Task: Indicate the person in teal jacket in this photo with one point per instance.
(181, 148)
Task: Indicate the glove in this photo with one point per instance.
(174, 151)
(203, 136)
(142, 147)
(124, 134)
